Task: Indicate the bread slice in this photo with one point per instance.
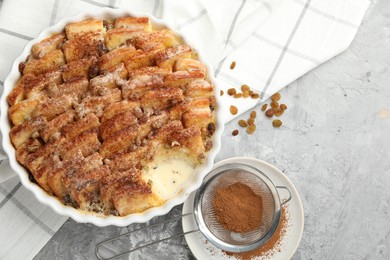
(84, 46)
(51, 131)
(113, 58)
(79, 69)
(51, 61)
(48, 45)
(166, 59)
(162, 98)
(26, 130)
(180, 79)
(134, 23)
(78, 29)
(120, 37)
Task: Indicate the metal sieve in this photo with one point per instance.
(261, 185)
(205, 217)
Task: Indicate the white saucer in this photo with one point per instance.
(202, 249)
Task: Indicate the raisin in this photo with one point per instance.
(107, 25)
(245, 88)
(102, 49)
(251, 129)
(93, 71)
(231, 91)
(278, 111)
(253, 114)
(283, 106)
(264, 107)
(235, 132)
(277, 123)
(275, 97)
(208, 145)
(233, 110)
(130, 42)
(211, 128)
(242, 123)
(270, 112)
(274, 104)
(22, 65)
(233, 65)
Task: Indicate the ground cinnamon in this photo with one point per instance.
(272, 246)
(238, 208)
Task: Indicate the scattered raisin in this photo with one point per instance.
(251, 121)
(283, 106)
(231, 91)
(276, 123)
(233, 110)
(237, 95)
(251, 129)
(274, 104)
(245, 94)
(253, 114)
(233, 65)
(242, 123)
(278, 111)
(221, 93)
(275, 97)
(270, 112)
(264, 107)
(235, 132)
(245, 88)
(255, 96)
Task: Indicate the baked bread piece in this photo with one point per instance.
(100, 106)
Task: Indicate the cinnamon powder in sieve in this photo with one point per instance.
(238, 208)
(272, 246)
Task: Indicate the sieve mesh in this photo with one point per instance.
(214, 231)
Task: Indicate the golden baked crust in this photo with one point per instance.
(97, 103)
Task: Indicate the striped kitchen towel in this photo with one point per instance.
(272, 41)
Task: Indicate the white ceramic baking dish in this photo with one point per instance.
(55, 204)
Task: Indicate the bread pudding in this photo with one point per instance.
(112, 117)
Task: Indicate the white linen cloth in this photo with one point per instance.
(273, 43)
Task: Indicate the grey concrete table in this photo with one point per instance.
(334, 145)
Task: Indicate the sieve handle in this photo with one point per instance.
(289, 194)
(112, 240)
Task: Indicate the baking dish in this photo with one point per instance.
(56, 205)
